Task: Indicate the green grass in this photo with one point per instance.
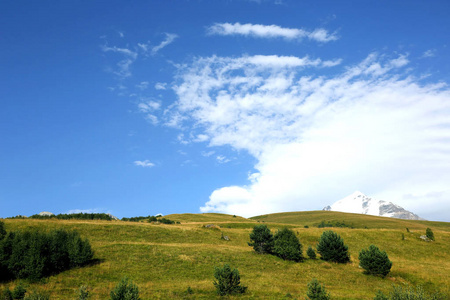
(164, 260)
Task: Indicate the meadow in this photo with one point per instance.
(166, 260)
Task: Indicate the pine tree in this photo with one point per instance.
(261, 239)
(430, 234)
(311, 253)
(287, 246)
(316, 291)
(374, 261)
(228, 282)
(331, 247)
(125, 290)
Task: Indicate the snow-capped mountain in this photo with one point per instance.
(359, 203)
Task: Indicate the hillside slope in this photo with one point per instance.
(164, 260)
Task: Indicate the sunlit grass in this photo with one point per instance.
(164, 260)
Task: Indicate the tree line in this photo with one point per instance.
(34, 254)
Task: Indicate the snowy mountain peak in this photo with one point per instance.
(359, 203)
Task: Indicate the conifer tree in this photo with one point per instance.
(331, 247)
(374, 261)
(316, 291)
(261, 239)
(287, 246)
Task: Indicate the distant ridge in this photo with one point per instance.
(359, 203)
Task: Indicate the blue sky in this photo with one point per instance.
(241, 107)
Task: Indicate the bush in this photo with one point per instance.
(6, 294)
(311, 253)
(19, 292)
(2, 230)
(228, 282)
(374, 261)
(331, 248)
(430, 234)
(287, 246)
(261, 239)
(316, 291)
(125, 290)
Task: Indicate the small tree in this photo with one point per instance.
(125, 290)
(228, 282)
(331, 247)
(430, 234)
(311, 253)
(261, 239)
(374, 261)
(287, 246)
(316, 291)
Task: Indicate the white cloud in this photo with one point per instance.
(170, 37)
(222, 159)
(207, 153)
(85, 211)
(317, 139)
(160, 86)
(143, 85)
(124, 64)
(429, 53)
(270, 31)
(149, 106)
(146, 163)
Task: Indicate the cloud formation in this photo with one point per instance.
(146, 163)
(270, 31)
(317, 139)
(170, 37)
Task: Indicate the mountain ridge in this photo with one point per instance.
(360, 203)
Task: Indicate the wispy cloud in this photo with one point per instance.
(131, 54)
(170, 37)
(86, 211)
(317, 139)
(429, 53)
(270, 31)
(160, 86)
(143, 85)
(146, 163)
(124, 64)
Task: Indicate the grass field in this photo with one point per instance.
(164, 260)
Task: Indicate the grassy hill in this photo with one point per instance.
(164, 260)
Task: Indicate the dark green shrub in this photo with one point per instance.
(316, 291)
(261, 239)
(311, 253)
(2, 230)
(331, 247)
(227, 281)
(125, 290)
(6, 294)
(19, 292)
(287, 246)
(189, 291)
(430, 234)
(374, 261)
